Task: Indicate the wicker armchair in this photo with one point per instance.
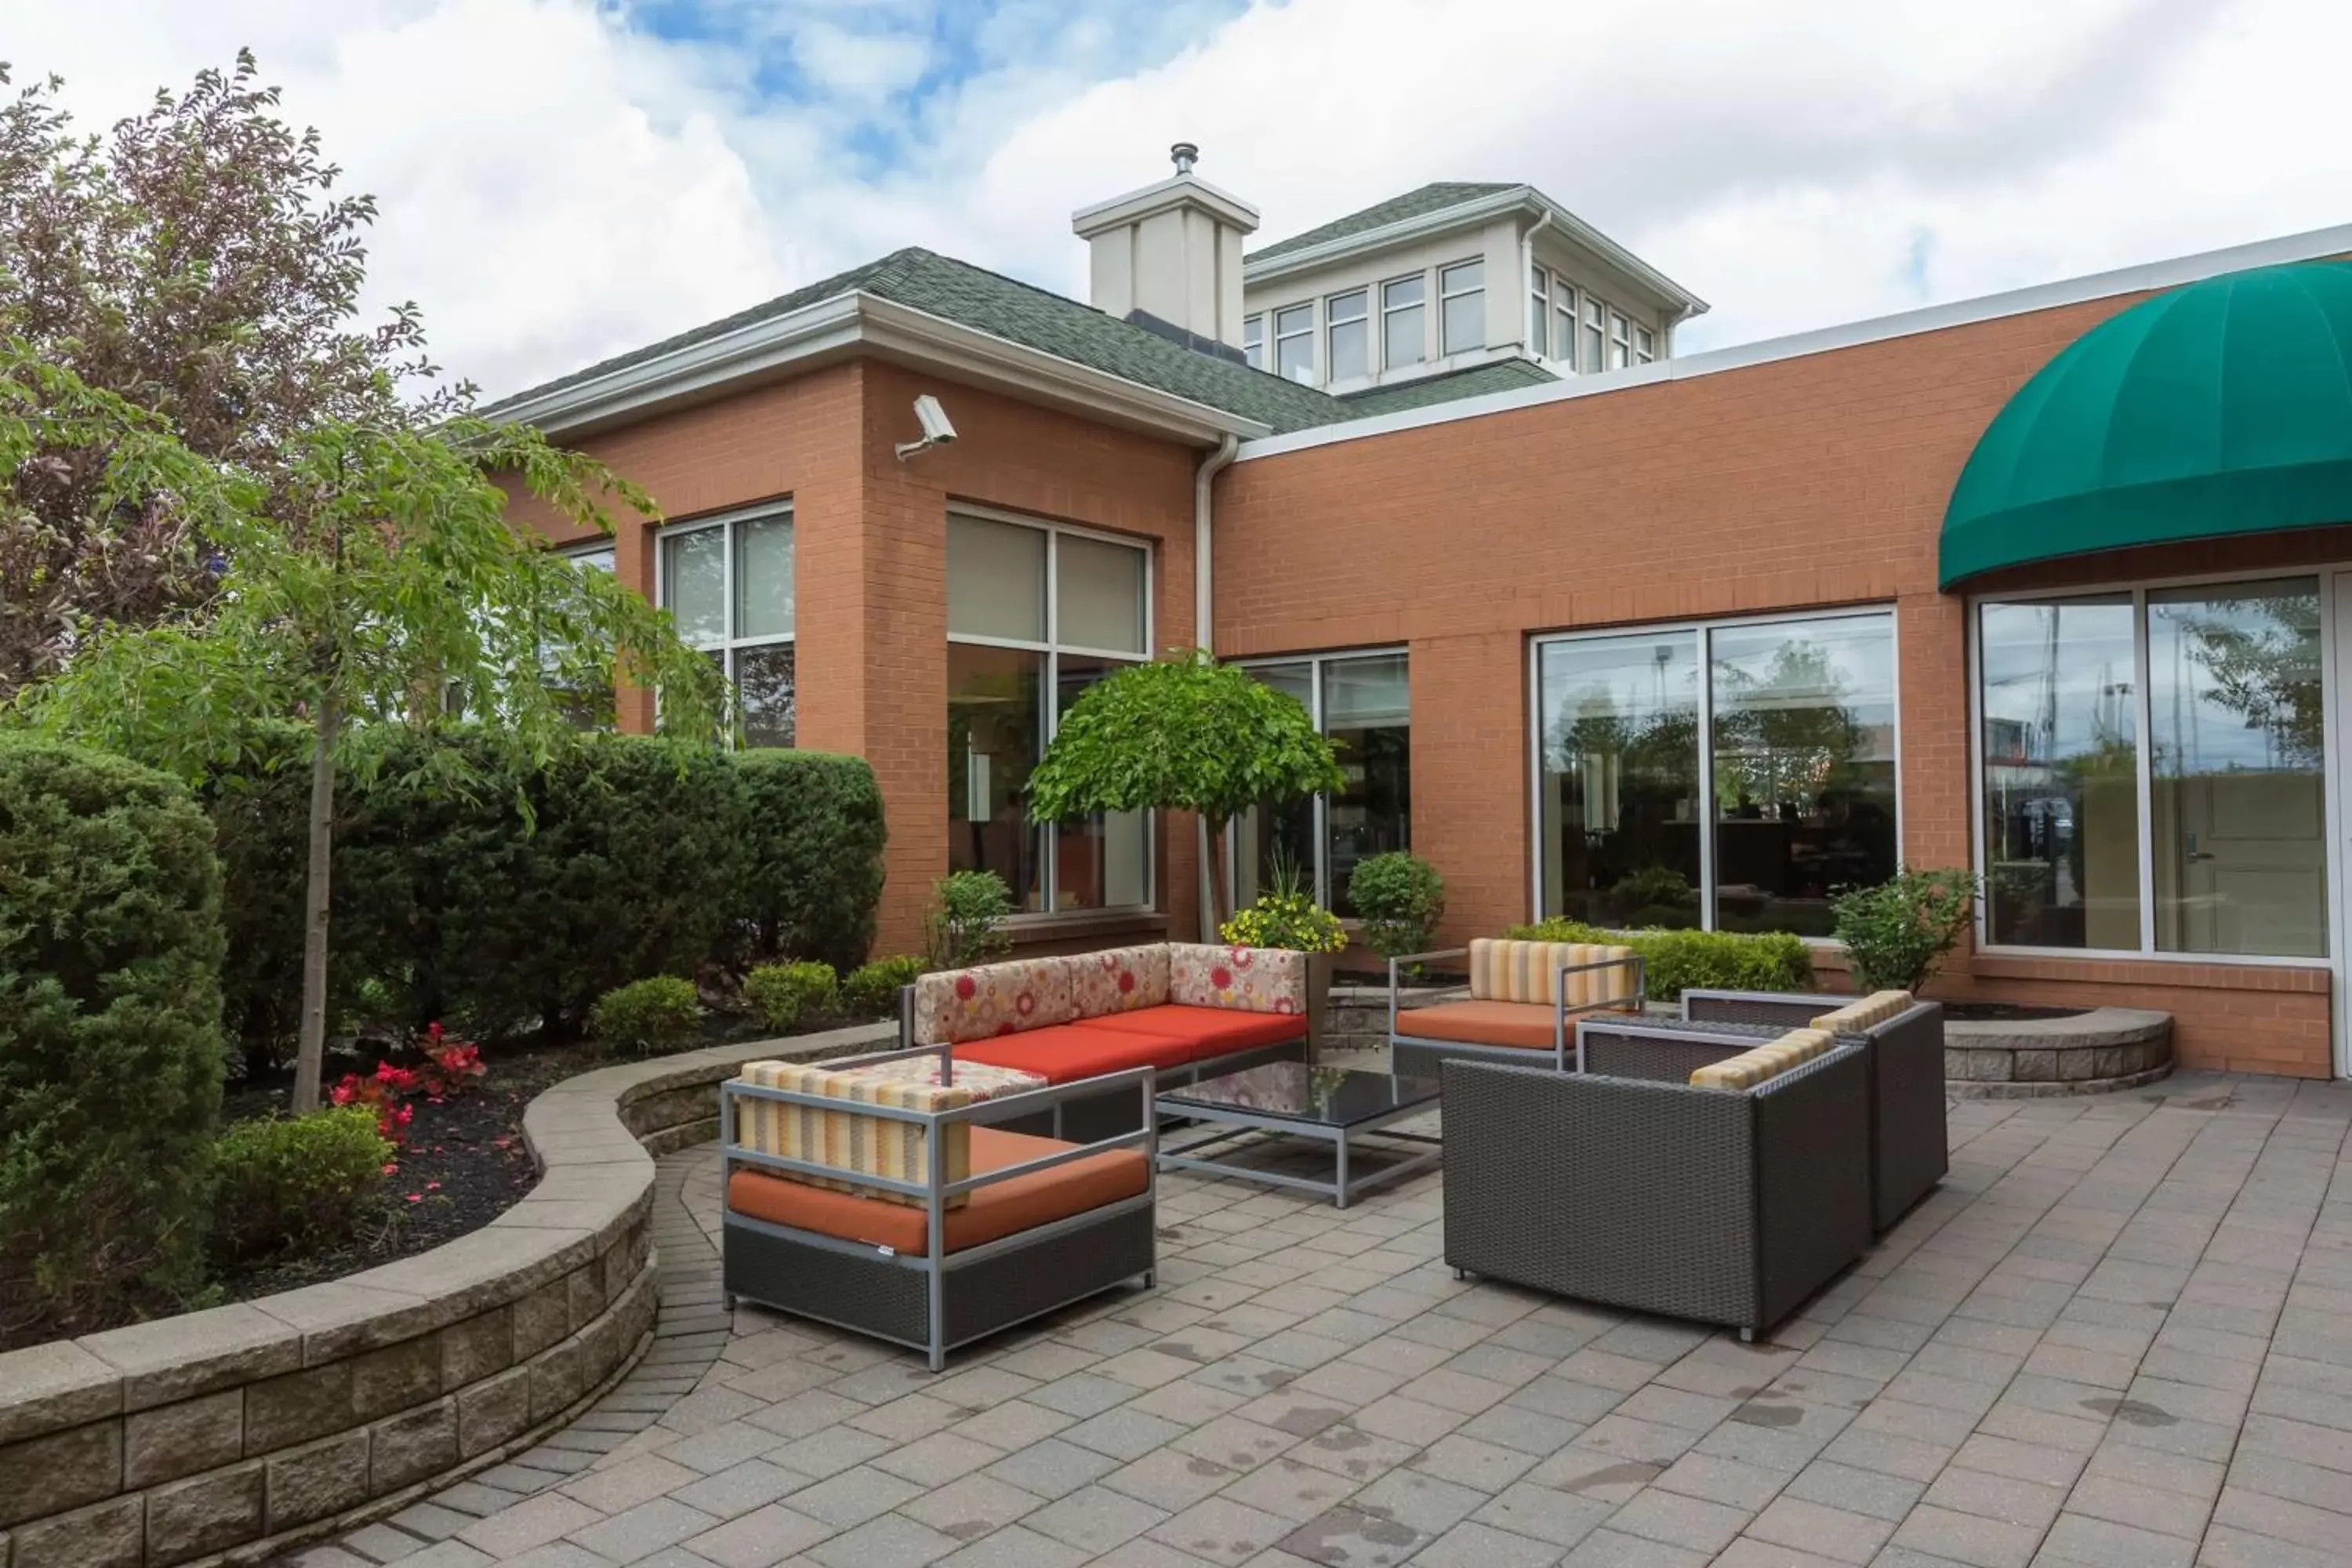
(1910, 1142)
(1626, 1185)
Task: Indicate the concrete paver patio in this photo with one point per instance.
(2121, 1333)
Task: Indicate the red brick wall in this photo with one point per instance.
(870, 539)
(1803, 483)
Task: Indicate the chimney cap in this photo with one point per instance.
(1184, 154)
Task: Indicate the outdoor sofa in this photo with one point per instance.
(1903, 1039)
(1186, 1011)
(884, 1195)
(1522, 997)
(1723, 1179)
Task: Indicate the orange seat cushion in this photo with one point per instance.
(1007, 1208)
(1060, 1053)
(1207, 1031)
(1527, 1023)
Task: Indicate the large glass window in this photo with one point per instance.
(2229, 855)
(1036, 616)
(1363, 703)
(1732, 777)
(1462, 291)
(1404, 310)
(1350, 331)
(2060, 749)
(728, 583)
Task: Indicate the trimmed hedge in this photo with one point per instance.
(111, 1043)
(472, 889)
(294, 1185)
(1675, 962)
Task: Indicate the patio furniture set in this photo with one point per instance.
(1721, 1165)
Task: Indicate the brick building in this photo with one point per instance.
(1602, 631)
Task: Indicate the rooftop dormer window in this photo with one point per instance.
(1293, 343)
(1254, 340)
(1350, 329)
(1404, 308)
(1462, 315)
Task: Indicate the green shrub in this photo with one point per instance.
(1674, 962)
(784, 994)
(285, 1186)
(111, 1043)
(1897, 933)
(967, 919)
(655, 1016)
(810, 845)
(1400, 897)
(872, 989)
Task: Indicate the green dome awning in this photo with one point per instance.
(2221, 408)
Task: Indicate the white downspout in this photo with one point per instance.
(1204, 635)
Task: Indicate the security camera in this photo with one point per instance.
(937, 429)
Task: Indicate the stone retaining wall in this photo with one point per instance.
(230, 1434)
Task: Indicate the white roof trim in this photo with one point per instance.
(1477, 209)
(828, 330)
(2312, 246)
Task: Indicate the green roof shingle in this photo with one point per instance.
(1036, 318)
(1429, 198)
(1501, 375)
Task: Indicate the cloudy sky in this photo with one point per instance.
(561, 179)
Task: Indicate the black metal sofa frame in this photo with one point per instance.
(1421, 1055)
(936, 1302)
(1910, 1141)
(1625, 1185)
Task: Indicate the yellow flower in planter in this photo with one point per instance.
(1290, 921)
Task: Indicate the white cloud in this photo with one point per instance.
(557, 184)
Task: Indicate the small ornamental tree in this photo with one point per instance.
(1184, 734)
(1897, 932)
(377, 582)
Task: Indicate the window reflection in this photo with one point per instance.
(1618, 779)
(995, 735)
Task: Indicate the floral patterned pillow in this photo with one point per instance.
(1120, 979)
(1246, 979)
(962, 1004)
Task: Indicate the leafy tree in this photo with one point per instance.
(1898, 931)
(197, 262)
(1182, 734)
(401, 590)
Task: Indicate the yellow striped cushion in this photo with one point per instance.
(1878, 1008)
(1766, 1062)
(848, 1139)
(1503, 971)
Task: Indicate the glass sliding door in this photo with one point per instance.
(1366, 713)
(1272, 840)
(2059, 741)
(2238, 798)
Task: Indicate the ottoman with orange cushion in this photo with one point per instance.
(1185, 1011)
(877, 1195)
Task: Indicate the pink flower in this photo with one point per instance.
(392, 1169)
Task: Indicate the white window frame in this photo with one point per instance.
(729, 645)
(1254, 339)
(1049, 691)
(1314, 369)
(1446, 295)
(1621, 340)
(1332, 322)
(2144, 763)
(1700, 630)
(1388, 309)
(1564, 305)
(1322, 815)
(1593, 326)
(1540, 311)
(1645, 345)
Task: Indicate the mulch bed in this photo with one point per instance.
(465, 1162)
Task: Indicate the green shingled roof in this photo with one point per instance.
(1430, 198)
(1005, 307)
(1502, 376)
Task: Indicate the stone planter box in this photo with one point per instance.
(231, 1434)
(2094, 1052)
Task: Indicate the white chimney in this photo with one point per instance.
(1172, 252)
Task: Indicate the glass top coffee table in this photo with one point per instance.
(1292, 1100)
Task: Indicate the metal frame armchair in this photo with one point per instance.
(1421, 1054)
(1909, 1139)
(1626, 1185)
(943, 1299)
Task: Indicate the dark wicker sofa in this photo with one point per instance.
(1625, 1184)
(906, 1210)
(1910, 1150)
